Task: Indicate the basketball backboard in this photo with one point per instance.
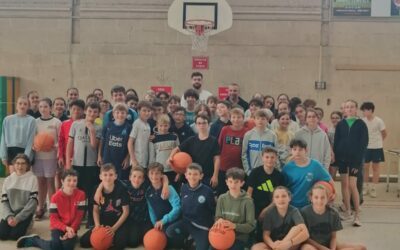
(217, 11)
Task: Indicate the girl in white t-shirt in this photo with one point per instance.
(376, 134)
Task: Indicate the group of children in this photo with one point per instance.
(115, 163)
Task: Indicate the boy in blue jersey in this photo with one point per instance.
(198, 206)
(302, 173)
(114, 142)
(256, 140)
(118, 96)
(162, 212)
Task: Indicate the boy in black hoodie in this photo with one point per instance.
(351, 141)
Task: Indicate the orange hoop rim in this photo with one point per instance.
(199, 26)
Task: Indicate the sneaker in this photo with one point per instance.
(356, 221)
(26, 241)
(39, 214)
(372, 192)
(366, 190)
(345, 216)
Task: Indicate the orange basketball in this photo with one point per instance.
(43, 142)
(155, 240)
(180, 161)
(100, 239)
(221, 239)
(328, 187)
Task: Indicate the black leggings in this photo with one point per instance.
(13, 233)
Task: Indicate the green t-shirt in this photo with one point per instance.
(350, 121)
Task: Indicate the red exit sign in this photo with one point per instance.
(200, 62)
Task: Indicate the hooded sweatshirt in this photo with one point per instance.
(239, 211)
(254, 142)
(318, 145)
(350, 142)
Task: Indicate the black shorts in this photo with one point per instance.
(12, 152)
(350, 168)
(375, 155)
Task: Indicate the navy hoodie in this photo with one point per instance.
(350, 143)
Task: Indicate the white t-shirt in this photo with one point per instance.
(52, 127)
(375, 128)
(203, 95)
(141, 133)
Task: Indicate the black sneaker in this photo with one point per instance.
(26, 241)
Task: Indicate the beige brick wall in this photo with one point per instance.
(273, 47)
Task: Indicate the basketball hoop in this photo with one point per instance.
(200, 30)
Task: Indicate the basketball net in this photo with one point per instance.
(200, 31)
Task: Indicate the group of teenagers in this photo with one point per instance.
(254, 170)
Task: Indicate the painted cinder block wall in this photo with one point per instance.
(273, 47)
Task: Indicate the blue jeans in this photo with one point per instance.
(55, 243)
(180, 230)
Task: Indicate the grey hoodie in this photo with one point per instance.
(254, 142)
(318, 145)
(239, 211)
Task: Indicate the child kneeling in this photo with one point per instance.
(67, 207)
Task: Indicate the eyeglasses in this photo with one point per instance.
(201, 123)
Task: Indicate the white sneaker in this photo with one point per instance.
(366, 189)
(356, 221)
(372, 192)
(345, 216)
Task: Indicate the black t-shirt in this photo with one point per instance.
(110, 207)
(321, 226)
(280, 226)
(184, 132)
(263, 185)
(202, 152)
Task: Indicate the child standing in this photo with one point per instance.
(212, 105)
(255, 141)
(283, 225)
(114, 142)
(198, 206)
(223, 108)
(302, 172)
(262, 182)
(376, 134)
(59, 109)
(83, 143)
(76, 109)
(318, 146)
(118, 95)
(66, 211)
(191, 97)
(19, 200)
(235, 209)
(230, 142)
(162, 145)
(204, 150)
(179, 125)
(33, 98)
(323, 222)
(17, 134)
(45, 165)
(284, 136)
(336, 117)
(112, 210)
(351, 141)
(138, 143)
